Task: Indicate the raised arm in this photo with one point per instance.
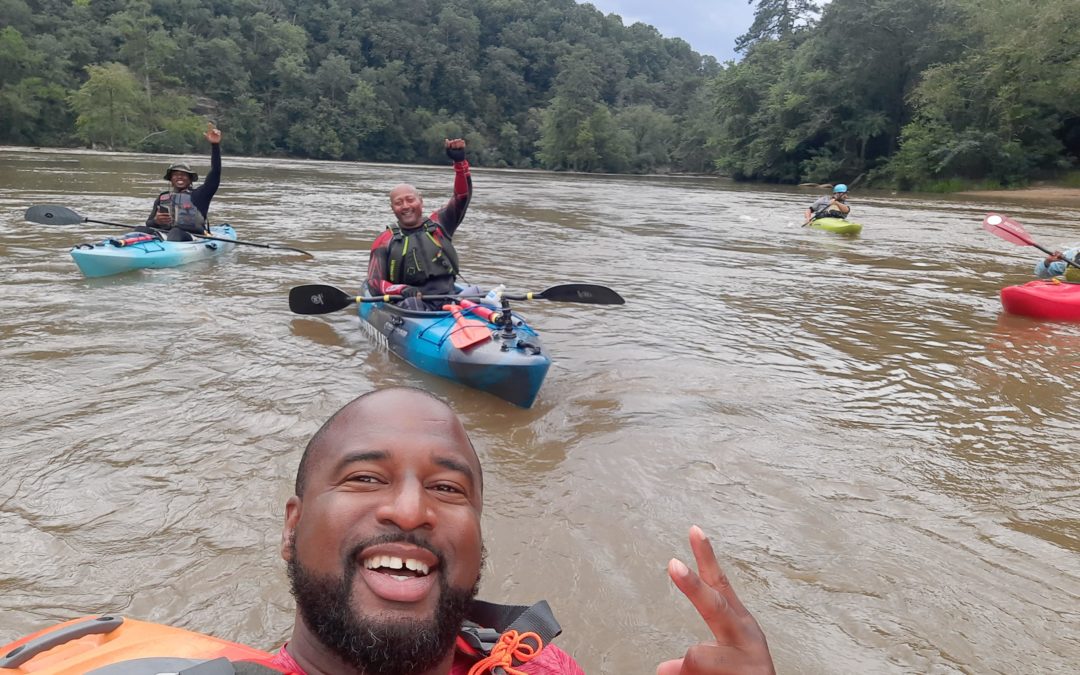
(451, 215)
(202, 195)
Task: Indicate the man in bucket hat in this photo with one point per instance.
(183, 209)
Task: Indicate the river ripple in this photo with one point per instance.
(884, 461)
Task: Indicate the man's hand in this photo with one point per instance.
(213, 134)
(1053, 258)
(163, 218)
(455, 149)
(739, 646)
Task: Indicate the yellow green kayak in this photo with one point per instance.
(837, 225)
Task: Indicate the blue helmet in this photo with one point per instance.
(839, 188)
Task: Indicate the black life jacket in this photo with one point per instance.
(417, 256)
(183, 211)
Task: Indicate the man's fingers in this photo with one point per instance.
(722, 621)
(669, 667)
(710, 570)
(715, 659)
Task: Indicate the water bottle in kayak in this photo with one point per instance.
(494, 296)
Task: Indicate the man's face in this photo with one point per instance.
(384, 548)
(408, 206)
(840, 196)
(179, 179)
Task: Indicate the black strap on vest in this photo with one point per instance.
(487, 621)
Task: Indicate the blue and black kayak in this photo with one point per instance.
(138, 250)
(511, 364)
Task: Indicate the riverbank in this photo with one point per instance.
(1046, 194)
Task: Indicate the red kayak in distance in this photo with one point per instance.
(1049, 299)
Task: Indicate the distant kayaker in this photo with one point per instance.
(1055, 265)
(415, 256)
(384, 550)
(830, 207)
(183, 209)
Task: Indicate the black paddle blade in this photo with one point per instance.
(49, 214)
(318, 299)
(589, 294)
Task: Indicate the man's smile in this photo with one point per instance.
(399, 572)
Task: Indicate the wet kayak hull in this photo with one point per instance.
(104, 258)
(1054, 301)
(512, 368)
(837, 225)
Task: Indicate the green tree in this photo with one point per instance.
(145, 46)
(776, 20)
(108, 107)
(652, 135)
(334, 77)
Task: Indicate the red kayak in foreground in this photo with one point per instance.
(1048, 299)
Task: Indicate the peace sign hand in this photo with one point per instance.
(739, 647)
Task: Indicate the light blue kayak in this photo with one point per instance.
(128, 252)
(512, 365)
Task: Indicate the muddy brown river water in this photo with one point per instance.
(888, 466)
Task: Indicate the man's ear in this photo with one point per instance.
(293, 507)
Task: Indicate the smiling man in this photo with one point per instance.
(415, 256)
(383, 543)
(185, 209)
(384, 551)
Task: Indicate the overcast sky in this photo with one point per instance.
(710, 26)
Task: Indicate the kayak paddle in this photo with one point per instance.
(1014, 233)
(588, 294)
(467, 332)
(61, 215)
(324, 299)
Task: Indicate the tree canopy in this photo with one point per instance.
(528, 83)
(904, 92)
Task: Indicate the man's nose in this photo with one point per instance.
(408, 507)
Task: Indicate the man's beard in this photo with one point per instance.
(371, 645)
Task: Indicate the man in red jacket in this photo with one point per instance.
(384, 551)
(415, 256)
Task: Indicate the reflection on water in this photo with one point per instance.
(884, 461)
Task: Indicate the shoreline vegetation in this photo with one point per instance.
(966, 95)
(1051, 194)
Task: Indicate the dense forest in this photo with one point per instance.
(914, 93)
(527, 82)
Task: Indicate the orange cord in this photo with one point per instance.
(511, 646)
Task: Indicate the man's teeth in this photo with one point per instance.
(395, 563)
